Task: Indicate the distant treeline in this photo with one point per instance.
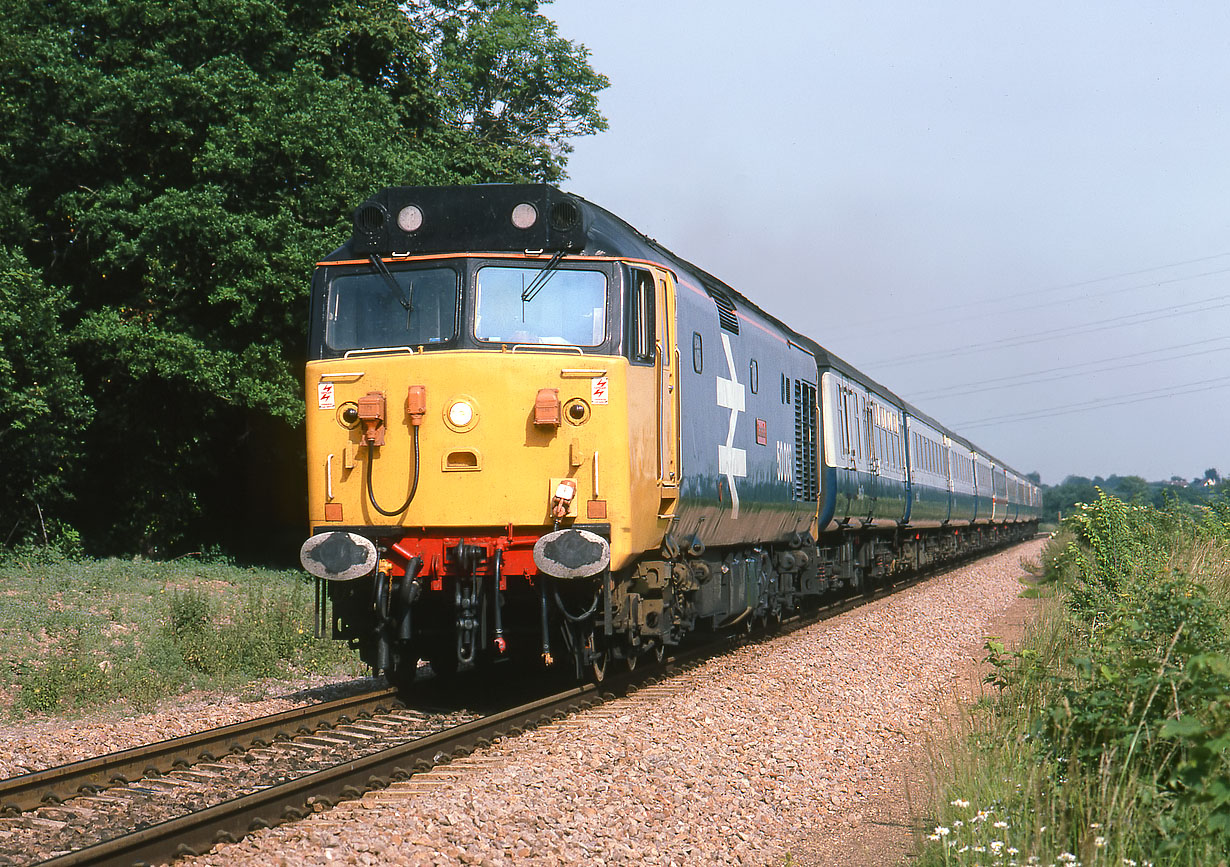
(169, 172)
(1060, 499)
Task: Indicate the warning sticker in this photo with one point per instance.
(598, 392)
(324, 395)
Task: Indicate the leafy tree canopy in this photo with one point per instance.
(171, 170)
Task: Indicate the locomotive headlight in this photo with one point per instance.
(460, 414)
(524, 215)
(410, 218)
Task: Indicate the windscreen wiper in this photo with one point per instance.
(541, 279)
(383, 270)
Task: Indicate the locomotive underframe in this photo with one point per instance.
(474, 601)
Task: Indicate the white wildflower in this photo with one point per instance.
(960, 802)
(942, 831)
(1000, 824)
(1099, 842)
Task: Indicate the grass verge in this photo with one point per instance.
(1105, 738)
(84, 633)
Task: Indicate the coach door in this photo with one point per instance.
(668, 394)
(870, 428)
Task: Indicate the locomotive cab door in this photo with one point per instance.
(668, 394)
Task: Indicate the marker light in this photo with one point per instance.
(460, 413)
(524, 215)
(410, 218)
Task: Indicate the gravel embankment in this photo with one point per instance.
(742, 761)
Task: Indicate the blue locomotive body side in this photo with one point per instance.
(739, 446)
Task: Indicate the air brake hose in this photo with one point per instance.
(371, 494)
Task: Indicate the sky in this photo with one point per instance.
(1017, 217)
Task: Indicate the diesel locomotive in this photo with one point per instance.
(534, 433)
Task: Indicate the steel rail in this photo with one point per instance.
(197, 832)
(58, 784)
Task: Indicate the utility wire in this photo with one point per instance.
(1034, 293)
(934, 316)
(1101, 403)
(1067, 371)
(1127, 320)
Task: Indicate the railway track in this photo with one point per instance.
(343, 778)
(90, 776)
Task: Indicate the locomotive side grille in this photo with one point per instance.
(726, 313)
(805, 477)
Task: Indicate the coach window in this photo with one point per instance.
(698, 355)
(754, 376)
(643, 306)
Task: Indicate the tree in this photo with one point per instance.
(513, 91)
(172, 170)
(42, 399)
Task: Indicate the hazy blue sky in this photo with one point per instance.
(950, 193)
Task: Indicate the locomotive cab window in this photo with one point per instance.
(642, 307)
(561, 307)
(370, 309)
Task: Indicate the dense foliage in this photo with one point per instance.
(1109, 739)
(170, 172)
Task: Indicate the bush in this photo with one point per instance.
(1108, 739)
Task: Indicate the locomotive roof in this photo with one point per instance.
(541, 217)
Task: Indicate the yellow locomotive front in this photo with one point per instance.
(485, 443)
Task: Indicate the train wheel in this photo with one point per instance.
(598, 660)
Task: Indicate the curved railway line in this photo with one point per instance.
(344, 748)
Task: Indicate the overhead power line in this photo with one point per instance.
(1203, 305)
(1067, 371)
(990, 311)
(1035, 293)
(1101, 403)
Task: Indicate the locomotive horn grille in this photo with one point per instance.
(370, 218)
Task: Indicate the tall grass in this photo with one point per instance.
(1105, 738)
